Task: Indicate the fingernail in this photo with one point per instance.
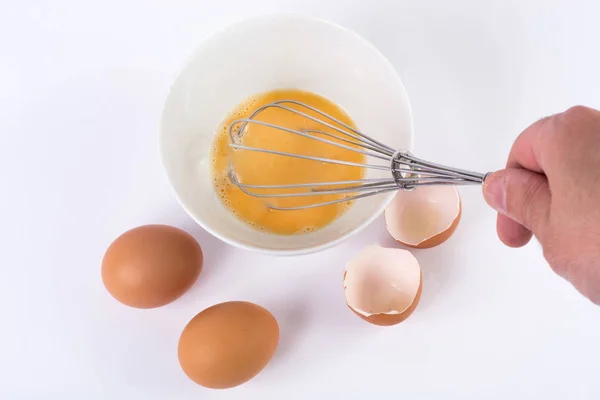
(494, 190)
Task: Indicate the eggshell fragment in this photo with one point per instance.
(383, 285)
(228, 344)
(151, 265)
(424, 217)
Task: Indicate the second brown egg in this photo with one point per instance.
(228, 344)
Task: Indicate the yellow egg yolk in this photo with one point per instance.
(256, 168)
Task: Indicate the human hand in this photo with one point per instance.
(551, 189)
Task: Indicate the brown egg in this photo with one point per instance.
(152, 265)
(383, 285)
(228, 344)
(424, 217)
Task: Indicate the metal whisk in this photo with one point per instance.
(406, 171)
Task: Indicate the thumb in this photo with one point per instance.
(521, 195)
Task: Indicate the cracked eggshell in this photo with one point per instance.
(383, 285)
(424, 217)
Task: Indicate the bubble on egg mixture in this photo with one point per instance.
(345, 205)
(221, 184)
(308, 229)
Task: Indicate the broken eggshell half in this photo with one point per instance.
(383, 285)
(424, 217)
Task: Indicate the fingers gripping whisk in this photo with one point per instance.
(406, 171)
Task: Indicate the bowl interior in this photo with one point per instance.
(264, 54)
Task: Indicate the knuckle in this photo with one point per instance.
(577, 112)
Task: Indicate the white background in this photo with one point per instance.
(82, 84)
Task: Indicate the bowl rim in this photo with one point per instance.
(283, 252)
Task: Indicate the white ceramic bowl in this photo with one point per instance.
(267, 53)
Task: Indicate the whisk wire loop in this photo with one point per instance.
(407, 171)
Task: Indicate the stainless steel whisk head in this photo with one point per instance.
(406, 171)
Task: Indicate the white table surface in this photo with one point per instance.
(82, 84)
